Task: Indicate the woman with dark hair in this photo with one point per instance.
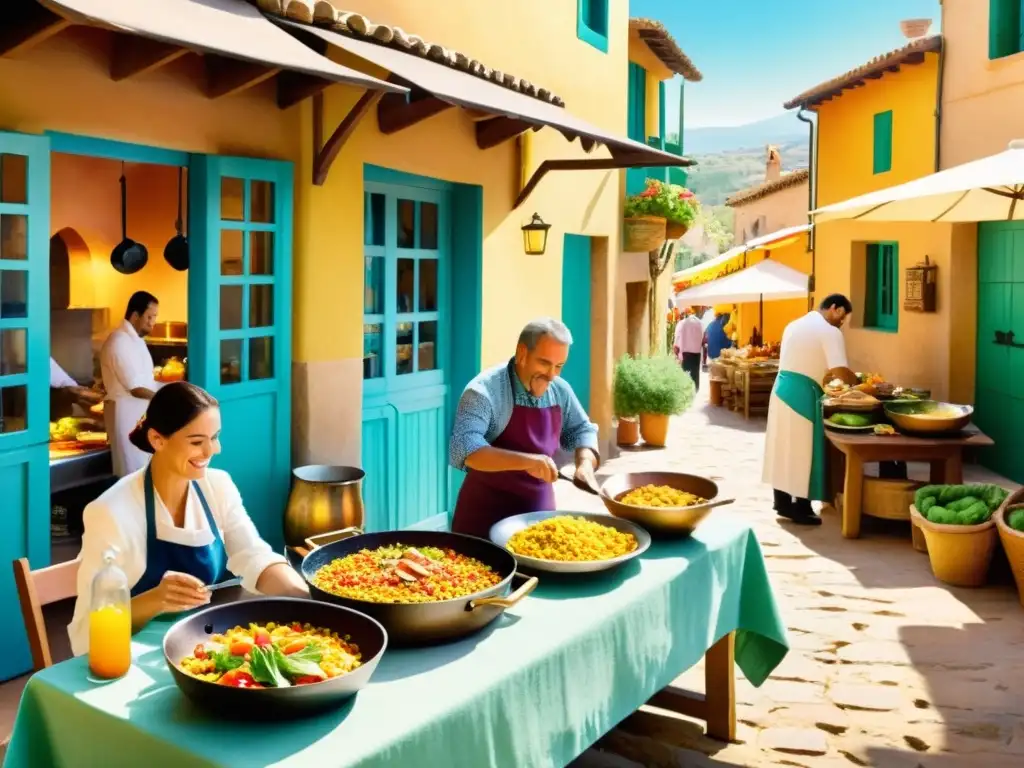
(176, 525)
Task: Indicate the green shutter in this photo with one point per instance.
(637, 123)
(882, 154)
(1004, 28)
(881, 294)
(1020, 26)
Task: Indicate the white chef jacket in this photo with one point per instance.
(118, 519)
(59, 378)
(126, 364)
(810, 346)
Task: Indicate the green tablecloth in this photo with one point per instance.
(534, 690)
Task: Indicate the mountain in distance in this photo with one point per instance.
(781, 129)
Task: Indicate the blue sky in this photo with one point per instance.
(756, 54)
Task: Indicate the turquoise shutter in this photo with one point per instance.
(882, 149)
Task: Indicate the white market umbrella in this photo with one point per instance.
(989, 189)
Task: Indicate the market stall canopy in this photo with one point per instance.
(768, 280)
(254, 49)
(507, 106)
(990, 189)
(778, 239)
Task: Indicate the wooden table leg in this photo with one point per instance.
(937, 471)
(717, 707)
(853, 487)
(953, 470)
(836, 471)
(746, 395)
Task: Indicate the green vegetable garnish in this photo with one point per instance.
(302, 663)
(225, 661)
(263, 663)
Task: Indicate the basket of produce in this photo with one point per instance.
(928, 417)
(642, 233)
(576, 542)
(1010, 525)
(957, 524)
(661, 502)
(851, 401)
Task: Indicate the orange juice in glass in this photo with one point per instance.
(110, 621)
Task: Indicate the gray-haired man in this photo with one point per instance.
(511, 421)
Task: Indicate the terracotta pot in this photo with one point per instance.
(715, 393)
(960, 554)
(628, 431)
(912, 28)
(674, 230)
(1013, 543)
(654, 428)
(643, 233)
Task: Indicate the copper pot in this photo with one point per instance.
(323, 499)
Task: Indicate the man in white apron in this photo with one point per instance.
(127, 368)
(813, 350)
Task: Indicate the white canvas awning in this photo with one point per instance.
(990, 189)
(767, 280)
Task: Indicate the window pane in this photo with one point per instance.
(372, 359)
(261, 253)
(406, 224)
(373, 286)
(232, 199)
(403, 348)
(261, 357)
(261, 306)
(230, 307)
(406, 272)
(13, 237)
(231, 252)
(13, 293)
(230, 361)
(262, 203)
(373, 218)
(426, 358)
(13, 358)
(13, 409)
(428, 285)
(428, 226)
(13, 179)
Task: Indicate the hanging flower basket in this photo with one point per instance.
(674, 230)
(675, 206)
(643, 233)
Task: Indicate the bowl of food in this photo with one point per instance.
(570, 542)
(661, 502)
(424, 587)
(929, 417)
(273, 657)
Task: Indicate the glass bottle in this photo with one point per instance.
(110, 621)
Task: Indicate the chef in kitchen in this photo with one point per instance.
(85, 397)
(813, 351)
(511, 421)
(127, 368)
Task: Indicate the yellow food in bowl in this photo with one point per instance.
(660, 496)
(939, 413)
(571, 539)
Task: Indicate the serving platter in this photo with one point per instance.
(504, 530)
(845, 428)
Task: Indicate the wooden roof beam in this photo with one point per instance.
(227, 77)
(324, 152)
(24, 25)
(396, 113)
(491, 133)
(134, 56)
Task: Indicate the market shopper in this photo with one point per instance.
(718, 339)
(511, 421)
(176, 526)
(688, 344)
(813, 351)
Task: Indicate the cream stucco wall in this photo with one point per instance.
(781, 209)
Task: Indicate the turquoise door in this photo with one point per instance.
(576, 300)
(405, 351)
(24, 376)
(999, 399)
(240, 288)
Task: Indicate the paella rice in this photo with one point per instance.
(571, 539)
(660, 496)
(272, 656)
(397, 573)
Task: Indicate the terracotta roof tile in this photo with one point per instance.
(912, 53)
(664, 46)
(750, 194)
(325, 14)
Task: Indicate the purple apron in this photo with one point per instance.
(489, 497)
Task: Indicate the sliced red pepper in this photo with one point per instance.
(262, 638)
(200, 652)
(236, 678)
(307, 680)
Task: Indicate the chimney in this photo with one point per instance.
(773, 168)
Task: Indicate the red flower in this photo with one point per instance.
(685, 194)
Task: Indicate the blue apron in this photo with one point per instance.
(207, 563)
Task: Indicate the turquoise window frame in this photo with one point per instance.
(881, 287)
(881, 143)
(1005, 28)
(592, 23)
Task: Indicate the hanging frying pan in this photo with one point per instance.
(128, 257)
(176, 250)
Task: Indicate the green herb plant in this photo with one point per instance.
(669, 201)
(626, 387)
(661, 386)
(1016, 520)
(959, 504)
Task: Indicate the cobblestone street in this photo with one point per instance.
(888, 667)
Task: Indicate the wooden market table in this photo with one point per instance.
(536, 688)
(851, 451)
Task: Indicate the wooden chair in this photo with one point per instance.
(36, 589)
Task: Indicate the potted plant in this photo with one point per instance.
(625, 385)
(662, 211)
(1010, 525)
(663, 390)
(957, 524)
